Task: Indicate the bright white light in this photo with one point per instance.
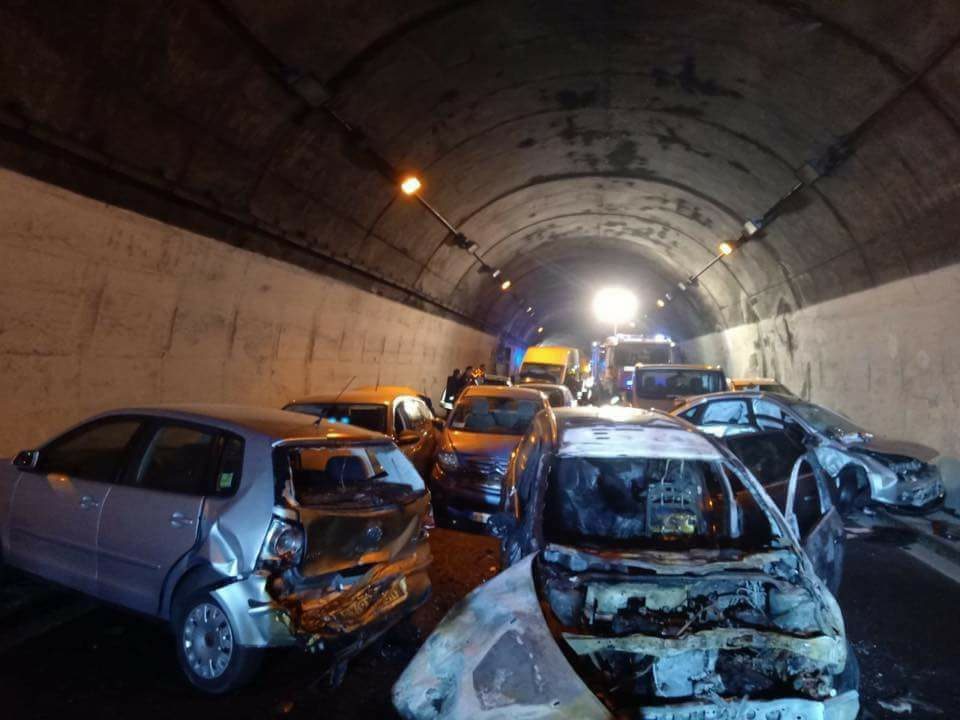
(615, 306)
(410, 185)
(659, 337)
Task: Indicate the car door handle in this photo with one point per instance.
(87, 502)
(178, 519)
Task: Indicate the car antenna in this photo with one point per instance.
(337, 398)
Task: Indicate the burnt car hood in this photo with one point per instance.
(498, 652)
(889, 446)
(487, 445)
(494, 656)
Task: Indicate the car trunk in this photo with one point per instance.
(364, 556)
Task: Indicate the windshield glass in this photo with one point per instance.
(664, 383)
(825, 421)
(336, 475)
(371, 417)
(541, 371)
(633, 353)
(493, 415)
(651, 504)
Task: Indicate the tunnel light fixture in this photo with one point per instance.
(661, 303)
(505, 285)
(530, 309)
(410, 185)
(540, 330)
(495, 272)
(615, 306)
(725, 248)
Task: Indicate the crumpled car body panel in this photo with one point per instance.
(493, 656)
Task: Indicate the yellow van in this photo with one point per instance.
(557, 365)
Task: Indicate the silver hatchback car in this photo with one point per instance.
(245, 528)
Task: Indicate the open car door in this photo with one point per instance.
(810, 510)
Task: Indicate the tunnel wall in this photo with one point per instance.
(888, 357)
(103, 308)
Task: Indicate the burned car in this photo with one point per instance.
(244, 528)
(648, 576)
(864, 467)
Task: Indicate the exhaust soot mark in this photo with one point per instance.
(688, 81)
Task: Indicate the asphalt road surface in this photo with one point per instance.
(60, 655)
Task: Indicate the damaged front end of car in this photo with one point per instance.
(896, 479)
(569, 633)
(664, 637)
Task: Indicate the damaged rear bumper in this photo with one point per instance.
(842, 707)
(340, 622)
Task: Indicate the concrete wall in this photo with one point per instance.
(100, 308)
(888, 357)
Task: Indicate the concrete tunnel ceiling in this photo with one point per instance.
(574, 142)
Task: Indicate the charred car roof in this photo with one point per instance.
(629, 432)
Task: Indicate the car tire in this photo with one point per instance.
(854, 489)
(207, 650)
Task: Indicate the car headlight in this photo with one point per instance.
(448, 460)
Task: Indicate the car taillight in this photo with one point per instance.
(283, 545)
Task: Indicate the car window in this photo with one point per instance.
(726, 412)
(366, 475)
(93, 452)
(651, 503)
(178, 459)
(231, 465)
(426, 414)
(769, 415)
(690, 415)
(406, 415)
(371, 417)
(806, 502)
(494, 414)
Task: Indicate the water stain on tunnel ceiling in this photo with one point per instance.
(565, 138)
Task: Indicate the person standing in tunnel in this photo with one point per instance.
(450, 392)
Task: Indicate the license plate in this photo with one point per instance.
(370, 598)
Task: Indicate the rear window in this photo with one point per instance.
(664, 383)
(366, 475)
(493, 415)
(372, 417)
(651, 504)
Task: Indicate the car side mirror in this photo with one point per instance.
(501, 524)
(408, 437)
(438, 423)
(27, 459)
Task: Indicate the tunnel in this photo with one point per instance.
(230, 205)
(201, 200)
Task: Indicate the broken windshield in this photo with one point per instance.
(823, 420)
(651, 504)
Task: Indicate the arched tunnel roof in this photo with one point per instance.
(574, 142)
